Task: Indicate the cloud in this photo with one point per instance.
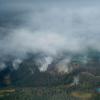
(50, 29)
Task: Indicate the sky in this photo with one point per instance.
(48, 26)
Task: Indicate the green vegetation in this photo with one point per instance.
(46, 86)
(61, 92)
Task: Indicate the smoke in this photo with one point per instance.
(48, 29)
(76, 80)
(2, 66)
(44, 64)
(63, 66)
(16, 63)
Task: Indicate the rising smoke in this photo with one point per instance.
(50, 28)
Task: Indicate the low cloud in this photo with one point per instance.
(50, 30)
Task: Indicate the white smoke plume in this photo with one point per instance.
(75, 80)
(16, 63)
(44, 65)
(49, 29)
(2, 66)
(63, 66)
